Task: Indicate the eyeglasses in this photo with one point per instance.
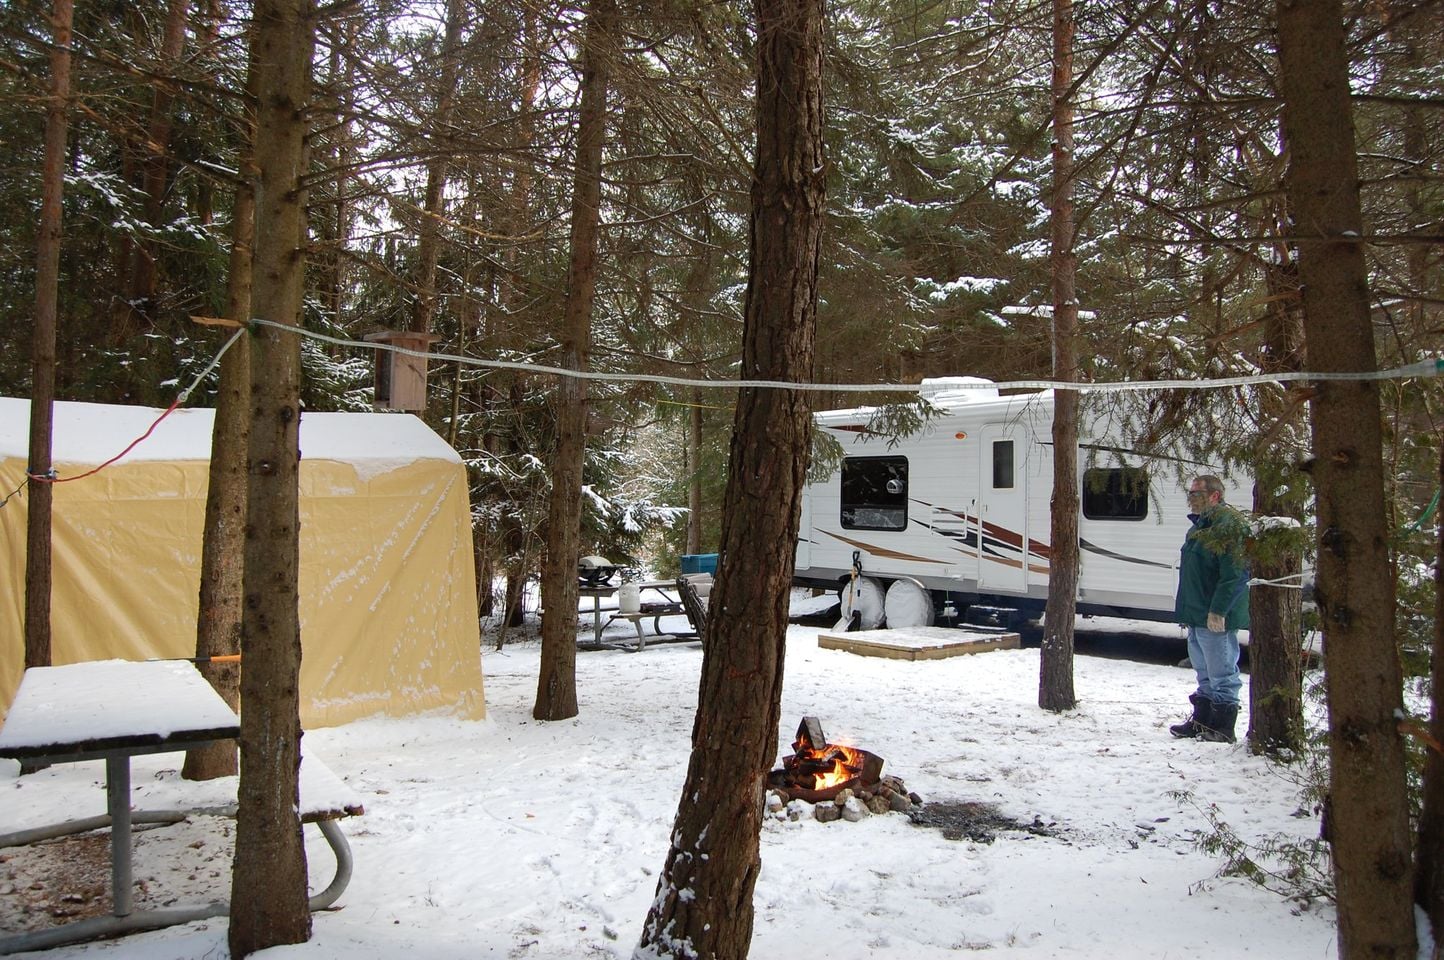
(1198, 494)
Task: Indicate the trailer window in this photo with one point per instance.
(1115, 493)
(1002, 464)
(875, 493)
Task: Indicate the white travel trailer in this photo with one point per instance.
(958, 513)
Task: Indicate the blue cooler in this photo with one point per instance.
(699, 563)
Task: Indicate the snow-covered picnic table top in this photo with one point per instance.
(83, 709)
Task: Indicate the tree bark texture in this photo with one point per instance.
(156, 165)
(218, 624)
(42, 363)
(1275, 648)
(505, 393)
(428, 242)
(268, 892)
(703, 907)
(1055, 680)
(1429, 885)
(694, 469)
(1369, 823)
(556, 695)
(1416, 34)
(330, 262)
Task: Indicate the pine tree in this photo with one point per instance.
(1369, 814)
(703, 907)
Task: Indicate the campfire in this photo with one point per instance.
(818, 770)
(835, 776)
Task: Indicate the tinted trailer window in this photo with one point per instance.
(875, 493)
(1117, 493)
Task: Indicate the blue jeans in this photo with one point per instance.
(1214, 656)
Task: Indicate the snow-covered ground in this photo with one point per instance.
(518, 839)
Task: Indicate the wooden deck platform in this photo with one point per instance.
(919, 643)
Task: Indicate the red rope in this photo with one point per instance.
(133, 444)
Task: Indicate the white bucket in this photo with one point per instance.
(629, 598)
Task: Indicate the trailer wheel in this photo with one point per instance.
(908, 604)
(866, 598)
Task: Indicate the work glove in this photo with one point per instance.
(1215, 622)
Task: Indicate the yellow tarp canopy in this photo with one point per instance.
(388, 586)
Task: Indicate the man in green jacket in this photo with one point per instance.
(1212, 602)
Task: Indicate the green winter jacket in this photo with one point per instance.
(1212, 572)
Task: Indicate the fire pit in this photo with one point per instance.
(841, 782)
(818, 770)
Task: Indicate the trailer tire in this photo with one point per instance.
(866, 599)
(908, 604)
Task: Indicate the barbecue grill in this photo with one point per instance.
(595, 571)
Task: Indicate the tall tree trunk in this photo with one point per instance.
(556, 694)
(428, 243)
(1275, 654)
(42, 364)
(1429, 885)
(1055, 680)
(703, 907)
(1369, 823)
(1413, 31)
(268, 888)
(331, 221)
(518, 566)
(156, 165)
(505, 394)
(694, 467)
(218, 626)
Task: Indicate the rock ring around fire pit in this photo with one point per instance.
(842, 782)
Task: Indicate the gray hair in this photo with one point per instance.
(1210, 483)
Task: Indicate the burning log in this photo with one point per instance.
(817, 770)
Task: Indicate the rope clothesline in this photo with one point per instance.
(1422, 368)
(50, 475)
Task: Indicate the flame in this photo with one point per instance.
(844, 767)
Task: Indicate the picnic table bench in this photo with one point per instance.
(692, 590)
(114, 710)
(654, 611)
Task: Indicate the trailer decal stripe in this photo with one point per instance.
(1043, 551)
(1015, 564)
(880, 551)
(1094, 548)
(995, 538)
(1003, 535)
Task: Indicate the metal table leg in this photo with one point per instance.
(117, 802)
(597, 619)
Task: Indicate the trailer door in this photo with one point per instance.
(1003, 509)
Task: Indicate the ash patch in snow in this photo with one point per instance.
(979, 822)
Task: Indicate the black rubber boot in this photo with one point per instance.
(1219, 726)
(1202, 709)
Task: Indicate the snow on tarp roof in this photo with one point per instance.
(91, 433)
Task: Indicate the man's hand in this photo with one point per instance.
(1215, 622)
